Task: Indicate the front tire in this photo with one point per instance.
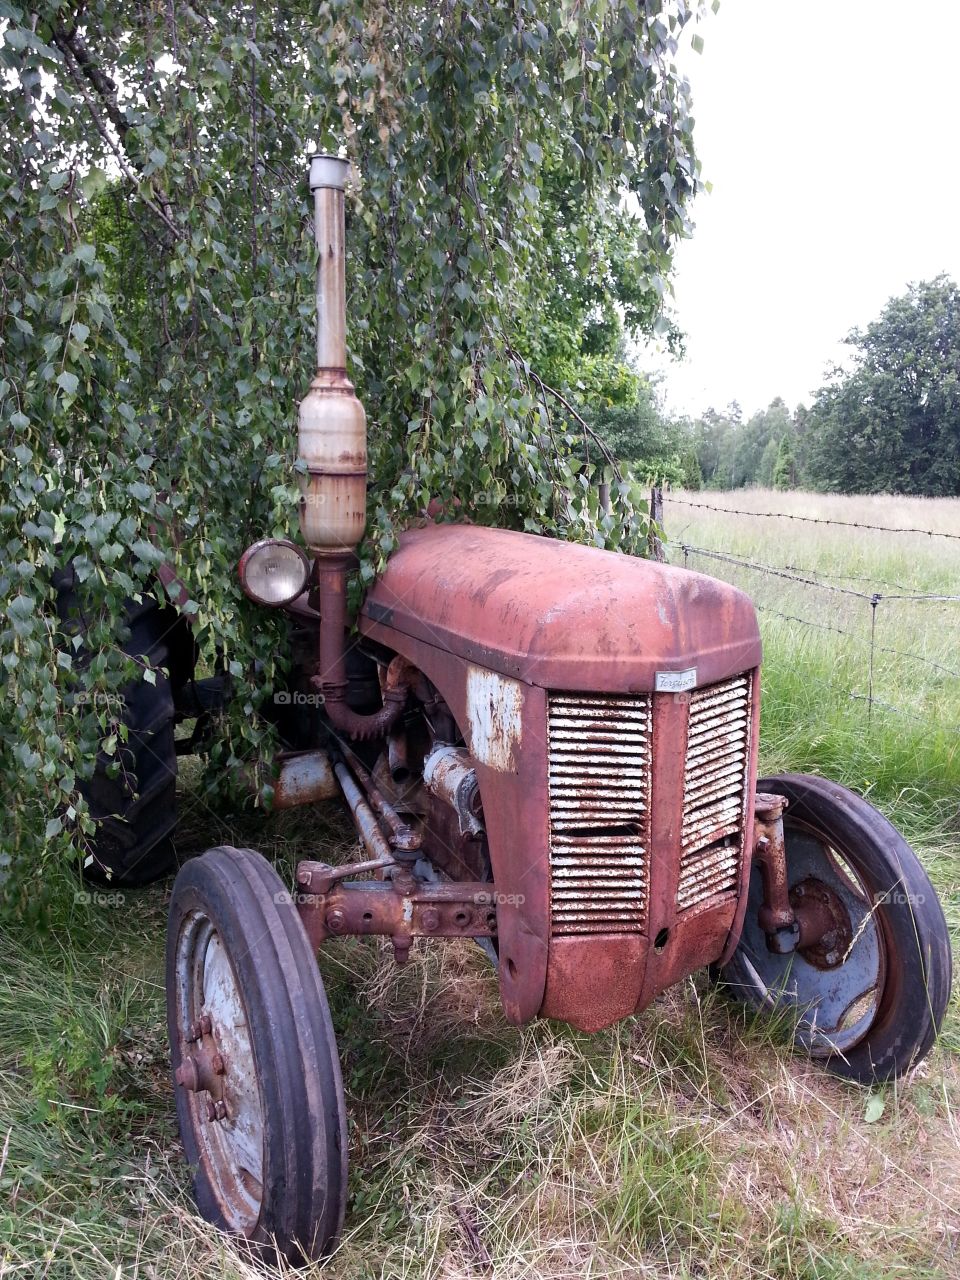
(259, 1094)
(871, 1001)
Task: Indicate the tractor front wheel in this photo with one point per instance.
(257, 1078)
(869, 995)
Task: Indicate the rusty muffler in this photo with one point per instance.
(332, 424)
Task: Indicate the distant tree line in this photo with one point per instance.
(888, 423)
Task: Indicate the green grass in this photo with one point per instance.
(688, 1142)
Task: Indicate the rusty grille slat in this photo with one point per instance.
(599, 777)
(714, 791)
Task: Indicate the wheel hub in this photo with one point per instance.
(826, 933)
(203, 1070)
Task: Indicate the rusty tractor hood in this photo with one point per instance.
(560, 615)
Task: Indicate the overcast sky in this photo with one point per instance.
(831, 133)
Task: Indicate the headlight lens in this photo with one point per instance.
(274, 572)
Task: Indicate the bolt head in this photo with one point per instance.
(220, 1111)
(832, 957)
(430, 919)
(218, 1064)
(206, 1024)
(336, 921)
(187, 1074)
(211, 1110)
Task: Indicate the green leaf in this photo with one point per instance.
(93, 182)
(874, 1108)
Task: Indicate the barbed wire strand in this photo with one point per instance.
(808, 579)
(851, 635)
(759, 567)
(788, 515)
(888, 706)
(873, 600)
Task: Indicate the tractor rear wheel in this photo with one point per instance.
(869, 997)
(132, 794)
(257, 1078)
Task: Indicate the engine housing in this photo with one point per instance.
(610, 705)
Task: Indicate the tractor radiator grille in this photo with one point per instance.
(599, 761)
(714, 791)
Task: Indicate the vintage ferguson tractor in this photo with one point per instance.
(557, 758)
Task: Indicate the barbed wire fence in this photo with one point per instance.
(872, 594)
(786, 515)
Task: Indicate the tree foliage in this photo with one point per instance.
(733, 453)
(888, 424)
(650, 445)
(516, 172)
(892, 423)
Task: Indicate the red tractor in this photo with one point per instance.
(558, 758)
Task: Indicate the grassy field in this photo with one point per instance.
(688, 1142)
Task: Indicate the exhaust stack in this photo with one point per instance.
(333, 493)
(332, 423)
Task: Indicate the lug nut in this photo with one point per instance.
(218, 1064)
(430, 919)
(187, 1074)
(336, 921)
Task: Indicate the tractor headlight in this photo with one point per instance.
(274, 572)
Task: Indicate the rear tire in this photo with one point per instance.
(273, 1166)
(136, 810)
(894, 945)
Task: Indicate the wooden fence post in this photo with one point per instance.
(656, 524)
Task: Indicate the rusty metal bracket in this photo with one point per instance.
(403, 908)
(776, 915)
